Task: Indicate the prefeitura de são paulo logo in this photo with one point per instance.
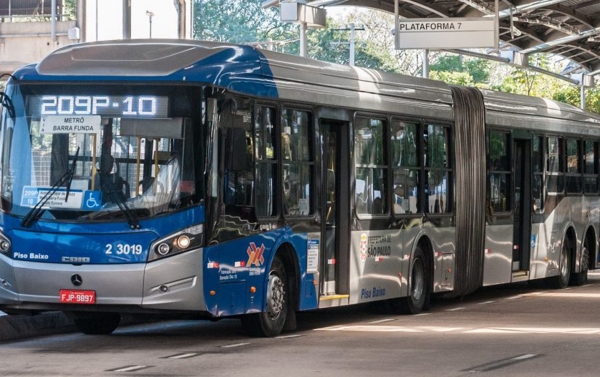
(363, 246)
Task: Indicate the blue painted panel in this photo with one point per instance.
(98, 248)
(247, 261)
(232, 299)
(238, 68)
(102, 243)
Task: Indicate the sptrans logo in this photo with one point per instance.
(255, 255)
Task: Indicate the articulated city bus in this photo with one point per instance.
(198, 179)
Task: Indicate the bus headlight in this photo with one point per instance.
(5, 246)
(163, 248)
(182, 241)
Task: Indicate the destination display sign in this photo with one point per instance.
(78, 124)
(148, 106)
(445, 33)
(32, 195)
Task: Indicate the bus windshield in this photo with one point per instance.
(96, 154)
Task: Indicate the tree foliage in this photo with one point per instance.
(452, 77)
(247, 22)
(237, 21)
(333, 45)
(572, 94)
(477, 69)
(377, 41)
(533, 83)
(70, 9)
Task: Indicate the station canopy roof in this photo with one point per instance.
(566, 28)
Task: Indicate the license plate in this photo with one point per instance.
(69, 296)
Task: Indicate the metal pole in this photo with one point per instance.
(180, 7)
(191, 13)
(150, 15)
(81, 19)
(303, 41)
(497, 27)
(126, 19)
(53, 21)
(426, 63)
(96, 20)
(396, 24)
(582, 95)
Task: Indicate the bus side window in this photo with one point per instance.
(574, 166)
(437, 165)
(538, 174)
(403, 144)
(499, 178)
(298, 162)
(266, 161)
(555, 166)
(238, 178)
(371, 166)
(238, 174)
(591, 167)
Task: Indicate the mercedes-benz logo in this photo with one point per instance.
(76, 280)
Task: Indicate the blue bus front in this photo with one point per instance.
(142, 177)
(102, 198)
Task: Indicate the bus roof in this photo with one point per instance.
(246, 69)
(241, 69)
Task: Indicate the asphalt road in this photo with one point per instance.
(502, 331)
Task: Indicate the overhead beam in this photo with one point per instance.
(586, 4)
(559, 38)
(583, 19)
(521, 6)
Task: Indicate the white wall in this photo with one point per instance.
(23, 43)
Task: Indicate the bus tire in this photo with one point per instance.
(580, 278)
(96, 323)
(271, 322)
(561, 281)
(418, 294)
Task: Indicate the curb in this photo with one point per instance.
(23, 326)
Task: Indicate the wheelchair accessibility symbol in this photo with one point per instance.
(92, 200)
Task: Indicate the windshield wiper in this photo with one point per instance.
(116, 198)
(36, 211)
(72, 174)
(6, 102)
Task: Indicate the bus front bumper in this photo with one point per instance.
(170, 284)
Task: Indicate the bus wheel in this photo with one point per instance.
(562, 280)
(580, 278)
(271, 321)
(96, 323)
(418, 294)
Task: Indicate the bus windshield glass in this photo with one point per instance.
(85, 153)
